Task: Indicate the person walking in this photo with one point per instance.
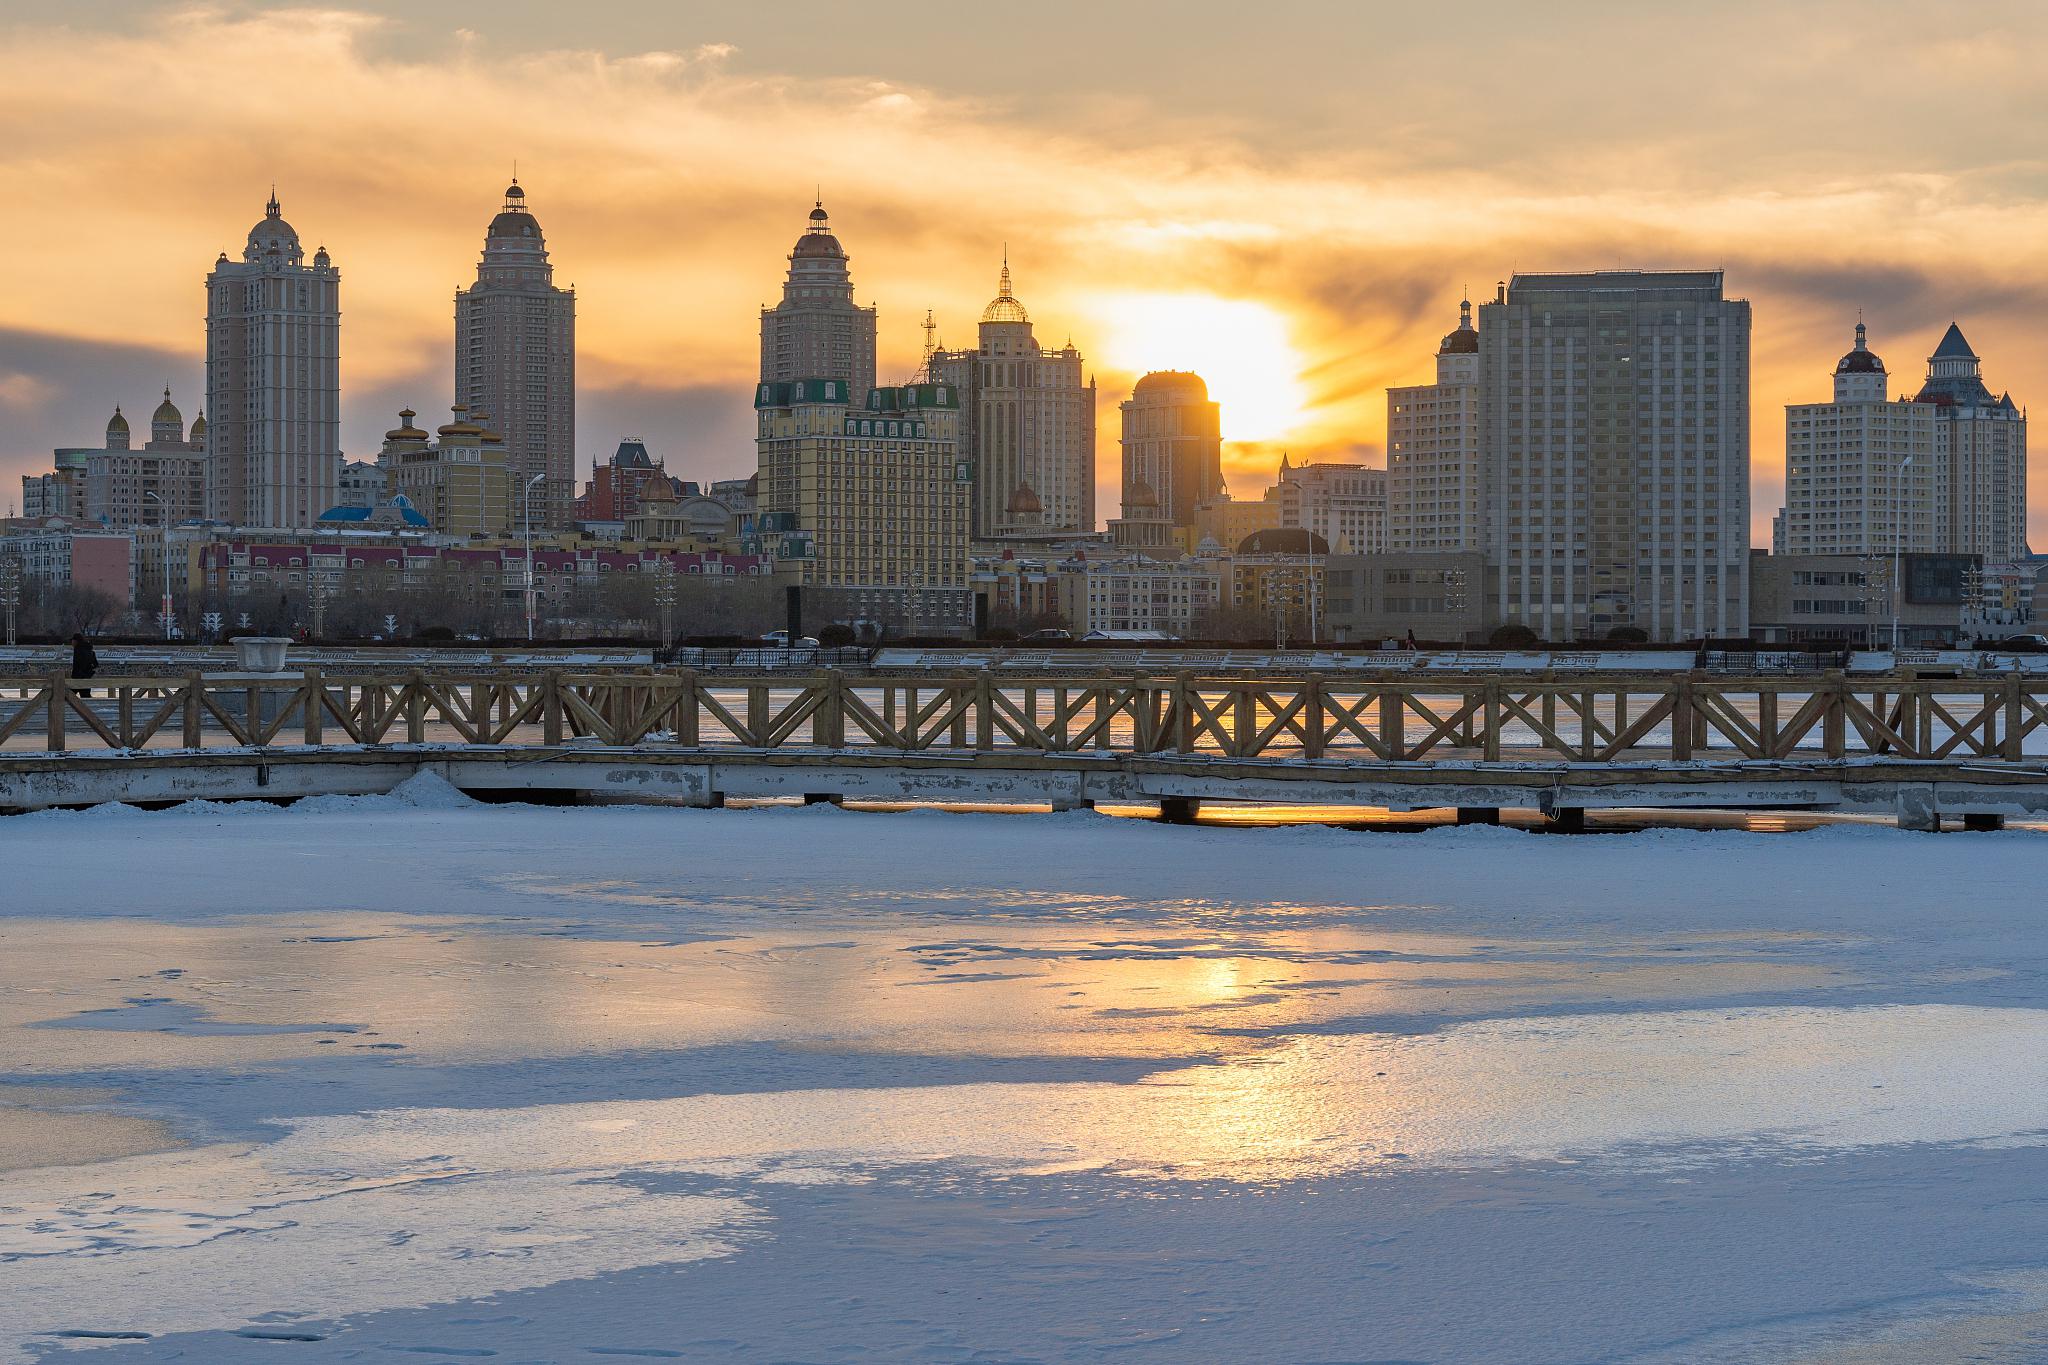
(84, 662)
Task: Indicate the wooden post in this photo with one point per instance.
(1489, 705)
(757, 713)
(1313, 736)
(126, 694)
(416, 709)
(1681, 720)
(1181, 713)
(1767, 720)
(1393, 719)
(1244, 720)
(2010, 747)
(192, 736)
(59, 695)
(687, 731)
(313, 690)
(1834, 741)
(551, 707)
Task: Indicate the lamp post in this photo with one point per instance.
(530, 606)
(1898, 542)
(168, 620)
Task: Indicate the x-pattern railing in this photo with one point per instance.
(1576, 719)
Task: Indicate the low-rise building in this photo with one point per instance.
(1434, 596)
(1171, 596)
(1851, 600)
(459, 483)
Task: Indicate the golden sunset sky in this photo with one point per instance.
(1289, 198)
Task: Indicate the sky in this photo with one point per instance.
(1290, 200)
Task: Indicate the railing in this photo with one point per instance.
(1581, 719)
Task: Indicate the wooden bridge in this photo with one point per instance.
(1914, 747)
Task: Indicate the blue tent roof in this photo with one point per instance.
(408, 515)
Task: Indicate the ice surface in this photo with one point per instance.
(780, 1084)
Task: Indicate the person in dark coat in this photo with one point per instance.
(84, 662)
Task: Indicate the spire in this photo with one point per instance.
(272, 209)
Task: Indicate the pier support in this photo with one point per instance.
(1479, 815)
(1982, 820)
(1567, 819)
(823, 798)
(1179, 810)
(1075, 803)
(1916, 809)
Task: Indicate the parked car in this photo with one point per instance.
(780, 640)
(2019, 644)
(1053, 635)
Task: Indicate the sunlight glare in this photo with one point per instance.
(1240, 347)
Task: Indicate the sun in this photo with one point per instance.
(1240, 347)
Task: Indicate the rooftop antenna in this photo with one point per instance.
(931, 344)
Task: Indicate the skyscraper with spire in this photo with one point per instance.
(818, 331)
(1028, 425)
(273, 380)
(515, 358)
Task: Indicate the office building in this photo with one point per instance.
(880, 492)
(1614, 412)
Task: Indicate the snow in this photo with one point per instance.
(461, 1081)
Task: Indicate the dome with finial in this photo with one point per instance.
(167, 411)
(1140, 495)
(405, 430)
(198, 427)
(1861, 359)
(117, 422)
(1464, 341)
(461, 426)
(657, 489)
(1025, 502)
(1004, 307)
(514, 220)
(274, 236)
(818, 239)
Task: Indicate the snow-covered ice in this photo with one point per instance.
(533, 1084)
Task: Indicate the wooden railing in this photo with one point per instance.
(1581, 719)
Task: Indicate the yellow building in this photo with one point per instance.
(880, 493)
(460, 482)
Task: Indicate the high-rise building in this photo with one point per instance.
(1433, 464)
(1861, 476)
(817, 331)
(880, 494)
(273, 380)
(1980, 448)
(1027, 420)
(1943, 472)
(515, 357)
(1173, 445)
(1614, 411)
(1345, 504)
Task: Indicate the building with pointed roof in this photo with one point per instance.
(515, 356)
(817, 331)
(1980, 449)
(1027, 416)
(273, 380)
(457, 479)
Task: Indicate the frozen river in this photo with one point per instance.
(407, 1078)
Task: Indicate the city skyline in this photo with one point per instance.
(1330, 272)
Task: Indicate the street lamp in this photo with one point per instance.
(167, 617)
(10, 591)
(530, 608)
(1898, 540)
